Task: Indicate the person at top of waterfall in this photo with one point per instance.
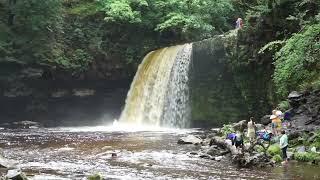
(251, 130)
(284, 145)
(239, 23)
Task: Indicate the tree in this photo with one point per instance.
(190, 19)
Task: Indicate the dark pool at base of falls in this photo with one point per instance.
(76, 153)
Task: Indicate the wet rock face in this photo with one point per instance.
(305, 110)
(21, 125)
(265, 120)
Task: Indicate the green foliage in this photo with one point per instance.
(84, 9)
(37, 16)
(78, 61)
(31, 30)
(226, 129)
(95, 177)
(187, 18)
(306, 156)
(297, 62)
(316, 141)
(274, 150)
(284, 105)
(277, 158)
(273, 45)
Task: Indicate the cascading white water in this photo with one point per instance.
(159, 93)
(177, 108)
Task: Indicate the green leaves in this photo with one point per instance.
(297, 62)
(191, 19)
(120, 11)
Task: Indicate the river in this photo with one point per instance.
(75, 153)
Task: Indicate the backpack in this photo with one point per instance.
(266, 137)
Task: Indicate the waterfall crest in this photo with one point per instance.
(159, 93)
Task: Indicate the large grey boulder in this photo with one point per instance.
(190, 139)
(301, 149)
(240, 126)
(213, 150)
(16, 174)
(294, 94)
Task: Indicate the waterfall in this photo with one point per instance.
(159, 93)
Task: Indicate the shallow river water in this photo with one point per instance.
(75, 153)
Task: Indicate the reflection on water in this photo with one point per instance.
(74, 153)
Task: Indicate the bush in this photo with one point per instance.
(297, 61)
(306, 156)
(95, 177)
(284, 105)
(274, 150)
(226, 129)
(277, 158)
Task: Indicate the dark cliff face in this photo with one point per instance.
(305, 110)
(224, 89)
(215, 97)
(63, 103)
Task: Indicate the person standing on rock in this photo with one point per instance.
(251, 130)
(276, 122)
(284, 146)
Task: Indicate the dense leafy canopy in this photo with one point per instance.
(73, 34)
(189, 18)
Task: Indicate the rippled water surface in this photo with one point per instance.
(75, 153)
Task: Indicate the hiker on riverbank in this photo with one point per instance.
(236, 139)
(239, 140)
(284, 146)
(275, 123)
(251, 130)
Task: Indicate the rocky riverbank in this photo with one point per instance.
(303, 132)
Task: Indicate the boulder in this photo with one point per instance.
(240, 126)
(193, 153)
(313, 149)
(5, 163)
(213, 150)
(301, 149)
(16, 174)
(296, 99)
(265, 120)
(205, 156)
(259, 126)
(190, 139)
(294, 95)
(218, 158)
(290, 155)
(294, 134)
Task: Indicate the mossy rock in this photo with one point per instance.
(277, 158)
(95, 177)
(274, 150)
